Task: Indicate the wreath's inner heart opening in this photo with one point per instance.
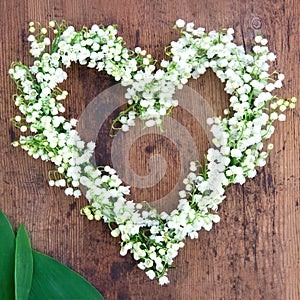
(153, 162)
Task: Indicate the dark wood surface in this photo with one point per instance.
(253, 253)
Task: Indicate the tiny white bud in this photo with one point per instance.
(274, 115)
(180, 23)
(31, 38)
(258, 38)
(293, 99)
(230, 31)
(146, 61)
(125, 127)
(264, 42)
(23, 128)
(60, 170)
(273, 105)
(97, 217)
(150, 123)
(43, 30)
(90, 217)
(280, 102)
(47, 41)
(115, 232)
(282, 108)
(77, 193)
(137, 50)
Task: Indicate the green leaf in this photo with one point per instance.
(53, 280)
(7, 253)
(23, 265)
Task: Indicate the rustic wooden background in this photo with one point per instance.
(253, 253)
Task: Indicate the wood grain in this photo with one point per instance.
(253, 253)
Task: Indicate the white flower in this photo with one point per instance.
(73, 122)
(150, 274)
(230, 31)
(193, 166)
(264, 42)
(61, 170)
(51, 24)
(236, 153)
(164, 63)
(23, 128)
(148, 263)
(182, 194)
(115, 232)
(69, 191)
(278, 84)
(125, 127)
(180, 23)
(258, 39)
(91, 145)
(123, 251)
(77, 193)
(31, 38)
(282, 117)
(270, 87)
(43, 30)
(150, 123)
(271, 56)
(274, 116)
(210, 121)
(189, 27)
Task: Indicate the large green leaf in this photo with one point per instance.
(53, 280)
(7, 257)
(23, 265)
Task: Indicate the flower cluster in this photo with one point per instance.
(153, 238)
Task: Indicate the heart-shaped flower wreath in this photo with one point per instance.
(153, 238)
